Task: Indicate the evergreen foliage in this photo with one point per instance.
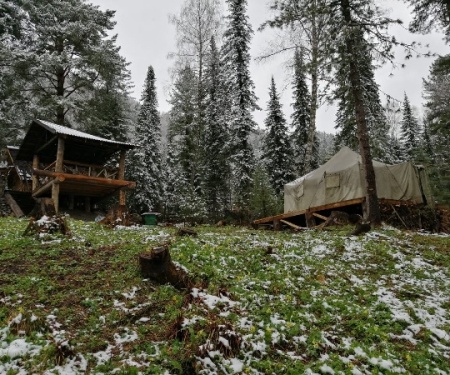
(301, 115)
(277, 148)
(410, 131)
(59, 54)
(437, 95)
(242, 100)
(263, 199)
(145, 161)
(216, 156)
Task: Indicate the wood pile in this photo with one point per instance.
(44, 219)
(411, 217)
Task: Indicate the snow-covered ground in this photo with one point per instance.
(317, 303)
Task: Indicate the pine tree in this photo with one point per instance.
(67, 54)
(236, 58)
(300, 115)
(437, 95)
(410, 131)
(277, 148)
(263, 199)
(217, 169)
(145, 161)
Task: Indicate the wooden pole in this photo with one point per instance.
(87, 204)
(34, 178)
(15, 208)
(58, 168)
(121, 176)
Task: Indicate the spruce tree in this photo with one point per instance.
(217, 171)
(145, 161)
(242, 100)
(410, 131)
(277, 148)
(301, 115)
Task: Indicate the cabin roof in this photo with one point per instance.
(42, 139)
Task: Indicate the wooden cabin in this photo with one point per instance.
(70, 166)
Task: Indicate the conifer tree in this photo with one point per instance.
(300, 115)
(242, 100)
(277, 148)
(145, 161)
(410, 131)
(217, 169)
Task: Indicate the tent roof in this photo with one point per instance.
(344, 159)
(41, 138)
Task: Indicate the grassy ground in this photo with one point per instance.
(264, 303)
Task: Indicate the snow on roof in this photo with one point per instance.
(59, 129)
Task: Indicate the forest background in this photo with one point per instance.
(208, 144)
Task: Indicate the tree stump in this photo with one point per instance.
(117, 215)
(186, 232)
(157, 265)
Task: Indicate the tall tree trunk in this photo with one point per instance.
(60, 80)
(372, 205)
(314, 94)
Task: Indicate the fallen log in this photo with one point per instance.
(157, 265)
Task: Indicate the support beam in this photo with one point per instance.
(292, 225)
(47, 186)
(58, 168)
(122, 194)
(45, 145)
(87, 204)
(15, 208)
(55, 196)
(34, 178)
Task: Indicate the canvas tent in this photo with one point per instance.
(342, 179)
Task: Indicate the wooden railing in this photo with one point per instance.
(76, 168)
(91, 170)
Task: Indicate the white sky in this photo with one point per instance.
(146, 38)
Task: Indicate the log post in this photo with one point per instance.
(34, 178)
(121, 176)
(71, 202)
(87, 204)
(310, 221)
(58, 168)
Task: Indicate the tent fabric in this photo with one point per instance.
(342, 178)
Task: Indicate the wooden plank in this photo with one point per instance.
(320, 216)
(330, 206)
(292, 225)
(17, 211)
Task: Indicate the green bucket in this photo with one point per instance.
(150, 218)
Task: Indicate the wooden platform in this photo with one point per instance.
(308, 213)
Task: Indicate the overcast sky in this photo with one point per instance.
(146, 38)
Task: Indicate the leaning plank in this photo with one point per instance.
(14, 206)
(47, 186)
(292, 225)
(320, 216)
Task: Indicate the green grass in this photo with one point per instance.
(319, 303)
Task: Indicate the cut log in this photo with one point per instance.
(15, 208)
(296, 227)
(158, 266)
(186, 232)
